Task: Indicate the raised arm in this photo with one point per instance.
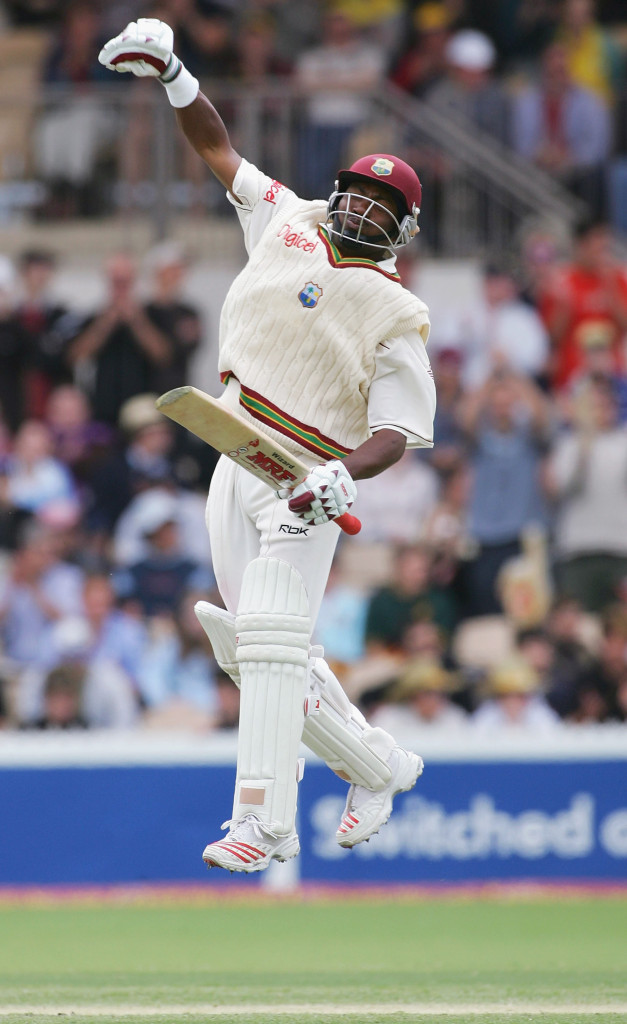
(145, 48)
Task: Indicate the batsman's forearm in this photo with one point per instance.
(206, 131)
(380, 451)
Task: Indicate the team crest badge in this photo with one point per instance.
(382, 167)
(310, 295)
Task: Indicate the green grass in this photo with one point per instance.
(441, 951)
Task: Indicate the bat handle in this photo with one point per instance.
(350, 524)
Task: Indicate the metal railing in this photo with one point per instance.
(119, 150)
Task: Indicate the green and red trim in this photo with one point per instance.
(306, 436)
(339, 261)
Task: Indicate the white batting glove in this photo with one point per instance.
(145, 48)
(325, 493)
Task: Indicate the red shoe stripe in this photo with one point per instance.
(351, 817)
(247, 847)
(231, 849)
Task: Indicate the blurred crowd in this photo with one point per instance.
(488, 587)
(546, 80)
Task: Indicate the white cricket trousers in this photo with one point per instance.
(246, 520)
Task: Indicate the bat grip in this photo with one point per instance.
(350, 524)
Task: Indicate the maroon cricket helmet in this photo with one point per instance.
(390, 171)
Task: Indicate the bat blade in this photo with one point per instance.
(241, 441)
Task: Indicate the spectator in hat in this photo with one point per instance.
(157, 583)
(421, 697)
(470, 92)
(142, 459)
(514, 700)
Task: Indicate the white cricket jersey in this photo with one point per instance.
(386, 377)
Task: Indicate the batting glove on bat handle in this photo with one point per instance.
(324, 496)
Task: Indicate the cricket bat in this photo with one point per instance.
(241, 441)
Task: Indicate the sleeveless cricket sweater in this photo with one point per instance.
(299, 331)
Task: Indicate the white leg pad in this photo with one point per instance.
(273, 628)
(219, 625)
(338, 732)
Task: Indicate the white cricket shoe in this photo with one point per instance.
(249, 845)
(366, 811)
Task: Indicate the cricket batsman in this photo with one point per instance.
(321, 346)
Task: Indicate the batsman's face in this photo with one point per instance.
(372, 201)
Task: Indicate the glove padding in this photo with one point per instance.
(325, 493)
(145, 48)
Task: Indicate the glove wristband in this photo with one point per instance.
(181, 86)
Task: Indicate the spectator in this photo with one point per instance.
(258, 58)
(500, 331)
(226, 713)
(73, 131)
(107, 699)
(514, 700)
(470, 92)
(178, 669)
(507, 423)
(13, 354)
(117, 353)
(449, 444)
(79, 441)
(38, 590)
(172, 316)
(115, 636)
(564, 129)
(205, 40)
(379, 21)
(415, 486)
(341, 622)
(335, 78)
(598, 362)
(597, 695)
(594, 56)
(156, 584)
(188, 508)
(420, 698)
(587, 478)
(62, 699)
(42, 324)
(32, 478)
(422, 62)
(586, 297)
(407, 597)
(142, 460)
